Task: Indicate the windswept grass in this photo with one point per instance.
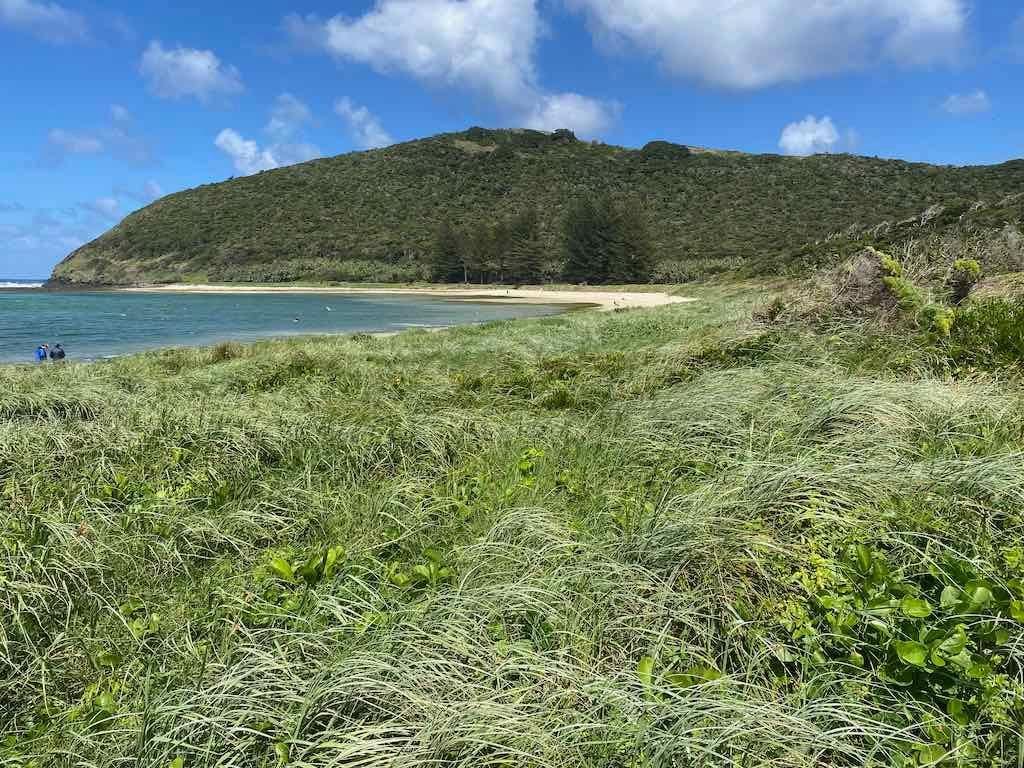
(652, 538)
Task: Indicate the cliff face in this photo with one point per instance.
(374, 215)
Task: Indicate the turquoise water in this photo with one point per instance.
(95, 324)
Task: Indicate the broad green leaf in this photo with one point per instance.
(1002, 636)
(954, 642)
(178, 762)
(912, 653)
(930, 754)
(979, 670)
(109, 659)
(784, 654)
(856, 659)
(282, 569)
(645, 671)
(964, 660)
(958, 711)
(694, 676)
(864, 558)
(950, 596)
(915, 607)
(283, 753)
(979, 593)
(334, 555)
(1017, 610)
(105, 701)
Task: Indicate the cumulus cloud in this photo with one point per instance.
(107, 207)
(812, 136)
(287, 117)
(119, 139)
(485, 47)
(244, 153)
(962, 104)
(183, 72)
(363, 125)
(249, 158)
(757, 44)
(64, 142)
(561, 110)
(47, 21)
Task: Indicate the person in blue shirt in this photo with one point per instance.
(41, 353)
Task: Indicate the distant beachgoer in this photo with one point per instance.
(57, 354)
(41, 352)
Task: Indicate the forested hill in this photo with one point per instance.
(375, 215)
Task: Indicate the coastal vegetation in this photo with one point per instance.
(777, 526)
(375, 216)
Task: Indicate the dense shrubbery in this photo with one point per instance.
(988, 334)
(382, 207)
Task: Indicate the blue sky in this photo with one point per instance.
(109, 105)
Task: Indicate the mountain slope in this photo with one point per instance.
(373, 215)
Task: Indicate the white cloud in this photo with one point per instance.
(107, 207)
(64, 142)
(245, 153)
(759, 43)
(288, 116)
(249, 158)
(119, 139)
(967, 103)
(561, 110)
(183, 72)
(486, 47)
(47, 21)
(811, 136)
(364, 126)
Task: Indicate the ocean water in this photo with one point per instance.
(94, 325)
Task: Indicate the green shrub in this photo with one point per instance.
(936, 319)
(908, 296)
(964, 276)
(988, 334)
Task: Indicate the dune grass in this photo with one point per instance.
(665, 537)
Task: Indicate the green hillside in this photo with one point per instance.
(374, 215)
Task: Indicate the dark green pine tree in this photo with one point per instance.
(526, 258)
(501, 252)
(581, 238)
(478, 257)
(631, 258)
(447, 264)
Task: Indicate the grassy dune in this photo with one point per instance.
(660, 537)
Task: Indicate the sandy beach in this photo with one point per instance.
(604, 300)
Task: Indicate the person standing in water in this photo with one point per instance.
(41, 352)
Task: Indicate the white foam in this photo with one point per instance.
(20, 285)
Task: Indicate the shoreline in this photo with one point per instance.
(602, 300)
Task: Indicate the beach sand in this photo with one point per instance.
(604, 300)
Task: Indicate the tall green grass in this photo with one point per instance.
(633, 539)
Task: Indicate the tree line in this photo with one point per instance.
(603, 240)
